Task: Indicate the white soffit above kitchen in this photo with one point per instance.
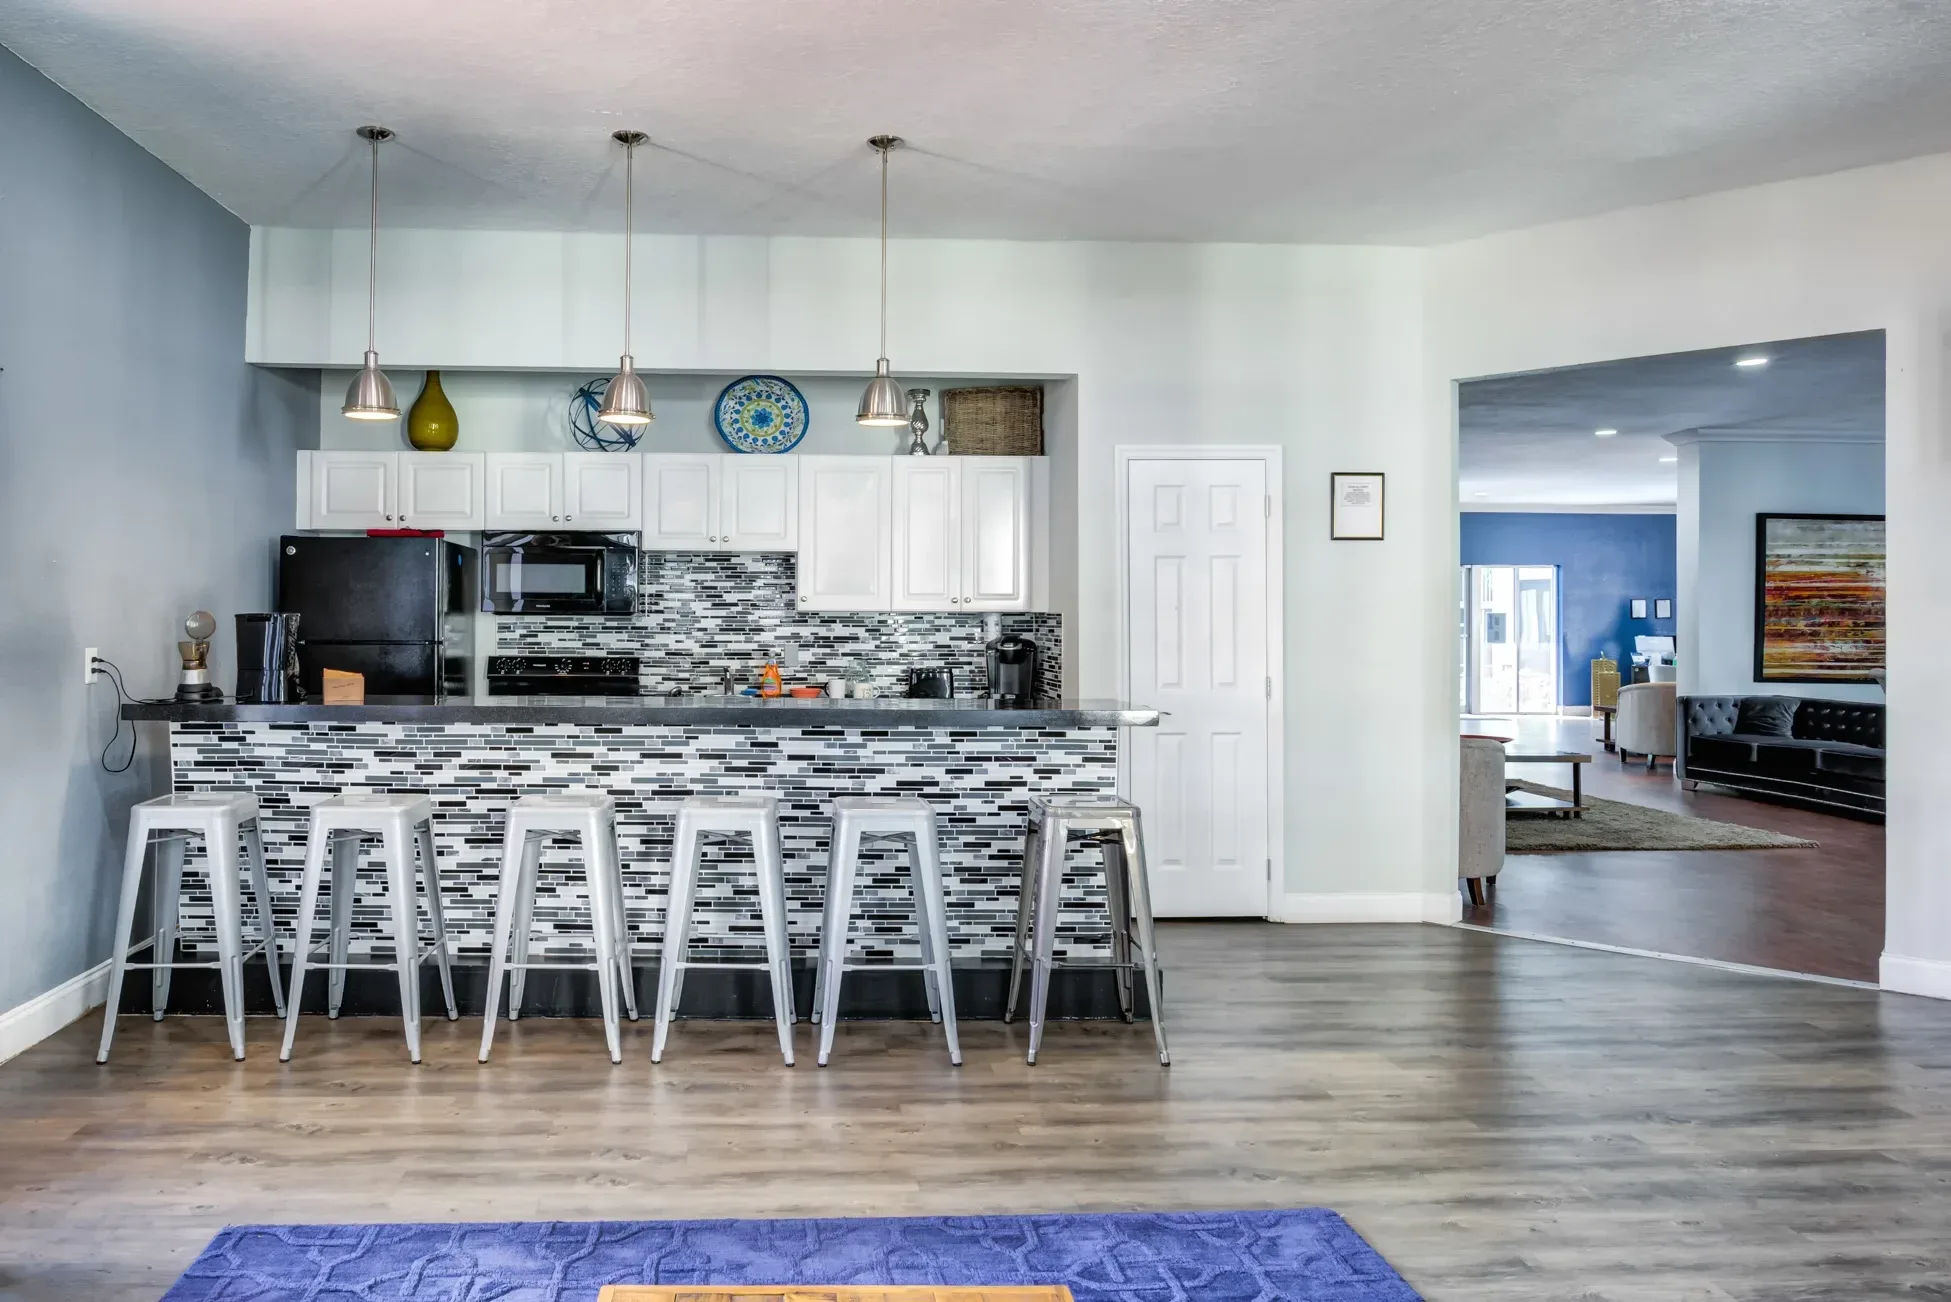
(1362, 121)
(1529, 442)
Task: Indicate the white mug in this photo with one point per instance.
(836, 687)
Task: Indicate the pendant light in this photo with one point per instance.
(884, 402)
(626, 401)
(370, 396)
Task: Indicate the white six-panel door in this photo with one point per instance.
(1197, 638)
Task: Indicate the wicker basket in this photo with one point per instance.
(993, 421)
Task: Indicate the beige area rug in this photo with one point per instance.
(1613, 825)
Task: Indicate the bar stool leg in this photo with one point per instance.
(307, 914)
(597, 867)
(771, 867)
(1117, 904)
(345, 885)
(267, 924)
(532, 844)
(430, 877)
(935, 927)
(626, 972)
(834, 941)
(1141, 894)
(221, 858)
(511, 878)
(1049, 889)
(1025, 894)
(677, 914)
(406, 933)
(132, 856)
(924, 934)
(829, 926)
(169, 893)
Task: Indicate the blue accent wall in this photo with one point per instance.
(1603, 561)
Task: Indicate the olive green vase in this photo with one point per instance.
(431, 425)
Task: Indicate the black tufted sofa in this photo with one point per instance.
(1833, 755)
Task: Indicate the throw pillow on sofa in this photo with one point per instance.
(1766, 716)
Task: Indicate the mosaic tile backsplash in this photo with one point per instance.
(978, 780)
(699, 613)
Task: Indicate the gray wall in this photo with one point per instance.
(144, 470)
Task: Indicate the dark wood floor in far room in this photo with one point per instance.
(1805, 910)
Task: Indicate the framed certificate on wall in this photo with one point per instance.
(1356, 514)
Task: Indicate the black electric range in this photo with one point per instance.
(558, 675)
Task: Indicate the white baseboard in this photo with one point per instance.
(1369, 906)
(1915, 976)
(26, 1025)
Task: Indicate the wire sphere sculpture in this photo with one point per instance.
(592, 433)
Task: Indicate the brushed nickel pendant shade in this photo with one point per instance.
(885, 401)
(370, 395)
(626, 401)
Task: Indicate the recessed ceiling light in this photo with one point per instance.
(1669, 458)
(1751, 362)
(1603, 433)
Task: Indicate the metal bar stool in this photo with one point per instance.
(168, 822)
(721, 817)
(588, 817)
(1113, 826)
(906, 819)
(402, 823)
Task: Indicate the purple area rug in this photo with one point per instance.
(1308, 1255)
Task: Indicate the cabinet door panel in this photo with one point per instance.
(603, 491)
(354, 490)
(927, 528)
(758, 503)
(844, 526)
(442, 490)
(524, 490)
(680, 502)
(995, 533)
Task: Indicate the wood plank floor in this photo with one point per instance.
(1503, 1119)
(1818, 910)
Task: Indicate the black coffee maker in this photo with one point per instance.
(1012, 669)
(267, 660)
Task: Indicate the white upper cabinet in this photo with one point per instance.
(602, 491)
(845, 522)
(965, 536)
(441, 490)
(715, 503)
(525, 490)
(348, 490)
(995, 542)
(758, 503)
(680, 502)
(927, 531)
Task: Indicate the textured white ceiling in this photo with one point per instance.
(1527, 440)
(1373, 121)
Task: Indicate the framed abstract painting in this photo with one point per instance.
(1819, 598)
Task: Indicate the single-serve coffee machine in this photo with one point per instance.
(1012, 669)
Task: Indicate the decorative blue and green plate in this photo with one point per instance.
(761, 413)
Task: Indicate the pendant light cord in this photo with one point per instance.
(372, 258)
(884, 251)
(629, 197)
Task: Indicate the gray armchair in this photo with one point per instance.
(1648, 721)
(1480, 826)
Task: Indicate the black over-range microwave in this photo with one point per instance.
(559, 573)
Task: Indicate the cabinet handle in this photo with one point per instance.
(556, 518)
(567, 518)
(389, 517)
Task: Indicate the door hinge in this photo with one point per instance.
(1270, 687)
(1267, 506)
(1270, 870)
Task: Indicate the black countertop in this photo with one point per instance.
(660, 711)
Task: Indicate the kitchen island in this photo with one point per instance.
(976, 762)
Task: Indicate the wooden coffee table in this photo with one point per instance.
(1530, 802)
(824, 1293)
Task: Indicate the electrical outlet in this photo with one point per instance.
(88, 664)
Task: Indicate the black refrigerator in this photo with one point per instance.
(398, 610)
